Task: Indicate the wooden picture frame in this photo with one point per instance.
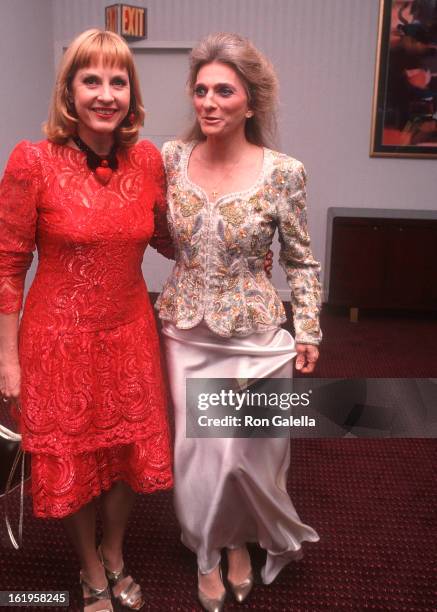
(404, 122)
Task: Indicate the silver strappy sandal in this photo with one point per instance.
(131, 596)
(95, 595)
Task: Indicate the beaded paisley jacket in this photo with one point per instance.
(220, 249)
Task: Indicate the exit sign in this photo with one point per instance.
(128, 21)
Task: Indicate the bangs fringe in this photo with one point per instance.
(102, 48)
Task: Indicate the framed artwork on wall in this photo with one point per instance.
(404, 122)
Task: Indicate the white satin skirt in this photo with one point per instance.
(229, 491)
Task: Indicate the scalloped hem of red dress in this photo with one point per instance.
(64, 510)
(63, 485)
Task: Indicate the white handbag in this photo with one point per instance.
(12, 459)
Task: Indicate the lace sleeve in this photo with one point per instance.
(18, 213)
(296, 258)
(161, 239)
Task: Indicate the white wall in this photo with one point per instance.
(324, 51)
(26, 69)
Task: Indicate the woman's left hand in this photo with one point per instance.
(307, 355)
(268, 263)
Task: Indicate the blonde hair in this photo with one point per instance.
(88, 48)
(257, 75)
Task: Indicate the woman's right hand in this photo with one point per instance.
(10, 380)
(10, 371)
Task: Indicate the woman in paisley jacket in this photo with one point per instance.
(227, 194)
(86, 368)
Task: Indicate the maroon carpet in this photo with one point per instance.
(379, 345)
(373, 502)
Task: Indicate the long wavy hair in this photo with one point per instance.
(257, 75)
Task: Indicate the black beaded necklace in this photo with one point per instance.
(102, 166)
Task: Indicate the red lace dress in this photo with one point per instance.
(92, 396)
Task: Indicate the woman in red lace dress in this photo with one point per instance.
(86, 368)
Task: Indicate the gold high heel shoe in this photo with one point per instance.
(242, 590)
(95, 595)
(131, 596)
(211, 604)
